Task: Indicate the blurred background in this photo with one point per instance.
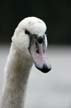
(55, 12)
(52, 90)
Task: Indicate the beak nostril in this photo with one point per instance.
(37, 51)
(40, 40)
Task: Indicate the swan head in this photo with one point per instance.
(30, 36)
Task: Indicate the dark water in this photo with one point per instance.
(52, 90)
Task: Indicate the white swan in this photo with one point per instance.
(29, 45)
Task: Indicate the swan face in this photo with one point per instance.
(31, 36)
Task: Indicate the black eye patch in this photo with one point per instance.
(40, 40)
(27, 32)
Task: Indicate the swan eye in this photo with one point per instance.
(27, 32)
(40, 40)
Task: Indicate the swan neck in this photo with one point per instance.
(17, 73)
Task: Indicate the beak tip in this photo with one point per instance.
(44, 69)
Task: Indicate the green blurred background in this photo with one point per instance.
(56, 14)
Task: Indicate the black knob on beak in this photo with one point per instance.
(40, 40)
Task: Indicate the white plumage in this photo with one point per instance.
(28, 46)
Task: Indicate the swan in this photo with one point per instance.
(28, 46)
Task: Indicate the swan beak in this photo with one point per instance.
(41, 63)
(40, 58)
(44, 69)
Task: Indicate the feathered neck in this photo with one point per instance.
(17, 72)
